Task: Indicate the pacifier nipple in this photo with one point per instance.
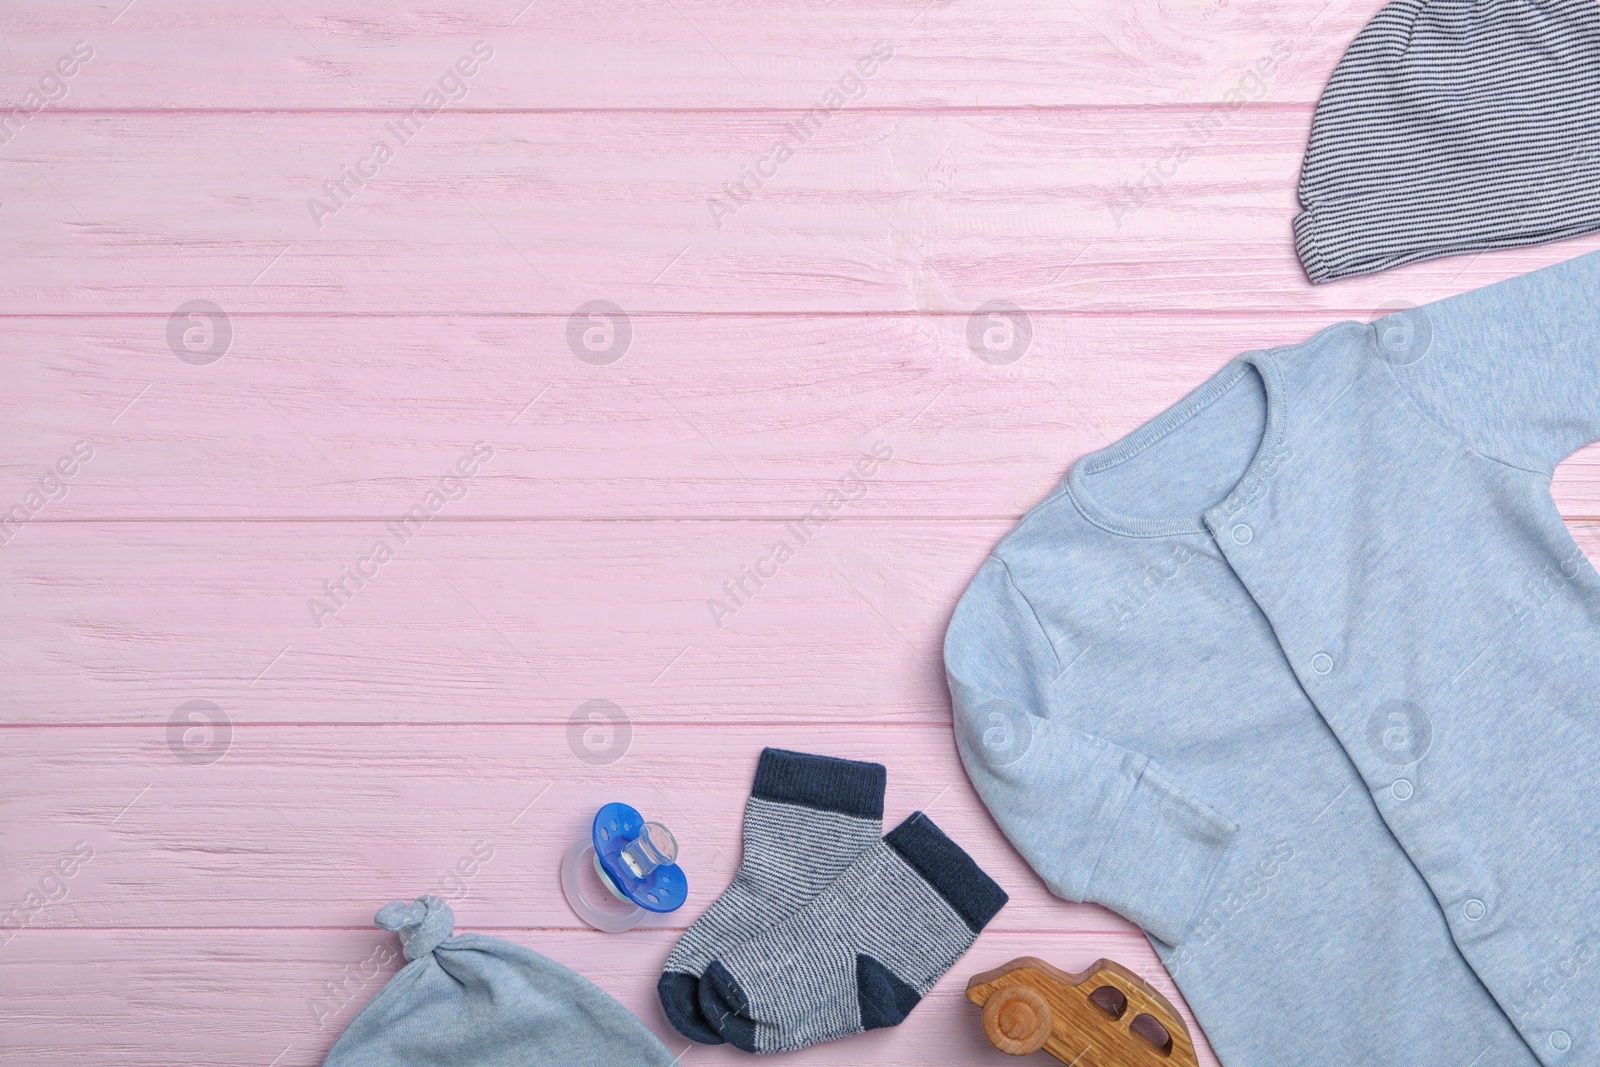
(655, 847)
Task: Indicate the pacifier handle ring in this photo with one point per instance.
(578, 857)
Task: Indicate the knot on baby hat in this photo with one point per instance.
(1454, 126)
(422, 925)
(474, 1001)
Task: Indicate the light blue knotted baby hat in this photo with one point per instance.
(474, 1001)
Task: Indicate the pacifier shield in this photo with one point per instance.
(632, 861)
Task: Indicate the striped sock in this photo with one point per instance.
(862, 954)
(808, 818)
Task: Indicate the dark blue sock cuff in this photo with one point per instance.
(842, 785)
(947, 868)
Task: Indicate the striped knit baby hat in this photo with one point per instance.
(1454, 126)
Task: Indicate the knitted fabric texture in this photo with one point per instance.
(807, 819)
(1454, 126)
(473, 1001)
(862, 954)
(1302, 677)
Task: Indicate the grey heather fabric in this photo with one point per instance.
(1454, 126)
(473, 1001)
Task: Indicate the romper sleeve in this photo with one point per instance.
(1513, 369)
(1098, 822)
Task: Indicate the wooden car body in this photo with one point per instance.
(1106, 1016)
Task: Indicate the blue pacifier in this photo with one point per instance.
(636, 863)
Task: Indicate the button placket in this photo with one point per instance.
(1474, 910)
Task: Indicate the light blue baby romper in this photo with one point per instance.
(1303, 677)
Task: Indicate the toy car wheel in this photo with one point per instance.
(1017, 1020)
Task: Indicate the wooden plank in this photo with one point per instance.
(876, 212)
(432, 717)
(316, 54)
(482, 622)
(317, 825)
(239, 998)
(487, 622)
(705, 417)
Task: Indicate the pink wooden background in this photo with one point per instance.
(1122, 169)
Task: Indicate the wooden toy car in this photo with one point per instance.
(1105, 1017)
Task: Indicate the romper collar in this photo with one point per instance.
(1269, 456)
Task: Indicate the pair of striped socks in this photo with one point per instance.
(828, 929)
